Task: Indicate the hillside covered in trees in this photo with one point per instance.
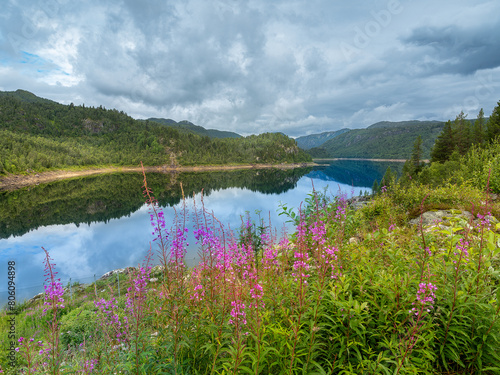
(385, 140)
(38, 134)
(189, 127)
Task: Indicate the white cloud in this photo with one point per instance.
(256, 66)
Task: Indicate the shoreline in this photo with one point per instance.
(366, 159)
(17, 181)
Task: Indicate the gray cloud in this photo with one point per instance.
(256, 66)
(457, 49)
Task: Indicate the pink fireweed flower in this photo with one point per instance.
(54, 290)
(199, 293)
(301, 266)
(238, 314)
(136, 294)
(461, 253)
(329, 261)
(89, 366)
(178, 249)
(425, 298)
(484, 221)
(318, 231)
(270, 259)
(111, 319)
(257, 292)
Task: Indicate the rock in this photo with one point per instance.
(124, 271)
(445, 218)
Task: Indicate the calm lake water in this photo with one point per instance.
(95, 224)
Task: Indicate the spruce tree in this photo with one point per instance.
(494, 124)
(479, 128)
(462, 133)
(416, 155)
(444, 144)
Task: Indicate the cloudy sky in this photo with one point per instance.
(299, 67)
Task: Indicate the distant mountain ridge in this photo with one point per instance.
(315, 140)
(186, 126)
(384, 140)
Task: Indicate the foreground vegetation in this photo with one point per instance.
(350, 292)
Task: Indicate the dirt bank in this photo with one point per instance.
(12, 182)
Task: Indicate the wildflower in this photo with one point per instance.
(318, 232)
(425, 298)
(238, 313)
(301, 266)
(54, 290)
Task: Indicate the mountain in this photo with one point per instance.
(189, 127)
(384, 140)
(37, 134)
(315, 140)
(26, 97)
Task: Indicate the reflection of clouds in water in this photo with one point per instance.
(82, 251)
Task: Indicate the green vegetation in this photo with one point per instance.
(383, 140)
(316, 140)
(351, 291)
(465, 153)
(188, 127)
(38, 134)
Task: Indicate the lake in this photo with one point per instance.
(95, 224)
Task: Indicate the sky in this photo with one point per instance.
(297, 67)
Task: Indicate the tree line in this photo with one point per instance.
(42, 134)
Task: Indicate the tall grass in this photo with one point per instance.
(350, 292)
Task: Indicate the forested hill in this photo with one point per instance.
(189, 127)
(37, 134)
(307, 142)
(385, 140)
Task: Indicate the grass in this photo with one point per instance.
(396, 300)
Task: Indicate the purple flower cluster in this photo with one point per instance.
(111, 319)
(198, 294)
(318, 231)
(462, 253)
(256, 293)
(157, 222)
(238, 314)
(178, 248)
(54, 290)
(329, 261)
(425, 298)
(27, 349)
(301, 266)
(484, 221)
(89, 366)
(136, 294)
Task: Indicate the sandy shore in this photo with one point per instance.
(12, 182)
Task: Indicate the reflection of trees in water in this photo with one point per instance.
(105, 197)
(355, 172)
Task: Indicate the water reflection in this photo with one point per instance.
(95, 224)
